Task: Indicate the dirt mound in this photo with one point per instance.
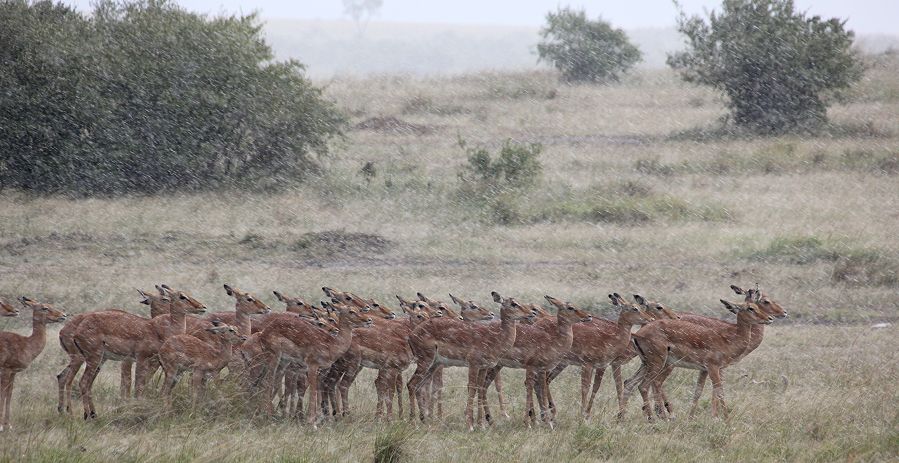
(336, 243)
(390, 124)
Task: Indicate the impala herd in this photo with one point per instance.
(276, 357)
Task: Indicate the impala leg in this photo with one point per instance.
(270, 384)
(398, 386)
(290, 390)
(343, 387)
(472, 393)
(86, 384)
(64, 380)
(631, 383)
(660, 400)
(697, 391)
(301, 385)
(380, 392)
(482, 398)
(312, 414)
(125, 379)
(586, 378)
(437, 391)
(7, 378)
(549, 415)
(146, 366)
(597, 381)
(168, 386)
(498, 384)
(529, 379)
(619, 388)
(390, 375)
(417, 386)
(717, 392)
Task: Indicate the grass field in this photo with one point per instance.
(639, 193)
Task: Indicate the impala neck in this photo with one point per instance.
(507, 328)
(346, 328)
(38, 331)
(565, 331)
(744, 331)
(244, 322)
(179, 320)
(624, 326)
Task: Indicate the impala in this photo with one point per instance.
(680, 343)
(17, 351)
(538, 348)
(185, 352)
(159, 305)
(596, 346)
(767, 306)
(120, 335)
(299, 342)
(439, 341)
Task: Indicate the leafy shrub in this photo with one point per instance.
(800, 250)
(515, 168)
(776, 66)
(585, 50)
(145, 97)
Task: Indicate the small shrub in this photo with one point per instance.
(867, 268)
(801, 250)
(391, 445)
(515, 167)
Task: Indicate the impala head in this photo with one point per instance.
(761, 299)
(296, 305)
(568, 312)
(541, 311)
(749, 312)
(380, 310)
(227, 333)
(471, 311)
(7, 309)
(418, 311)
(355, 315)
(629, 313)
(160, 303)
(442, 309)
(246, 302)
(183, 302)
(656, 310)
(44, 312)
(510, 309)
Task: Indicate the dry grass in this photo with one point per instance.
(625, 205)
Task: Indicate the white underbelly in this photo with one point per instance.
(441, 360)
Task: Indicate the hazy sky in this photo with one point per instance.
(865, 16)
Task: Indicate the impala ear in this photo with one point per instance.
(26, 300)
(144, 298)
(423, 297)
(613, 299)
(639, 299)
(737, 289)
(730, 306)
(164, 290)
(496, 297)
(229, 289)
(279, 296)
(457, 300)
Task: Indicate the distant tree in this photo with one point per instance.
(775, 65)
(146, 97)
(361, 11)
(585, 50)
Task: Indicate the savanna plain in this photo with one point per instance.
(639, 193)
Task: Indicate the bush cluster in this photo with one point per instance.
(145, 97)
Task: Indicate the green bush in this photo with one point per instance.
(146, 97)
(585, 50)
(776, 66)
(515, 168)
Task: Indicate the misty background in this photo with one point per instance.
(443, 37)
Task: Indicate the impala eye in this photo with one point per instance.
(250, 299)
(349, 298)
(183, 297)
